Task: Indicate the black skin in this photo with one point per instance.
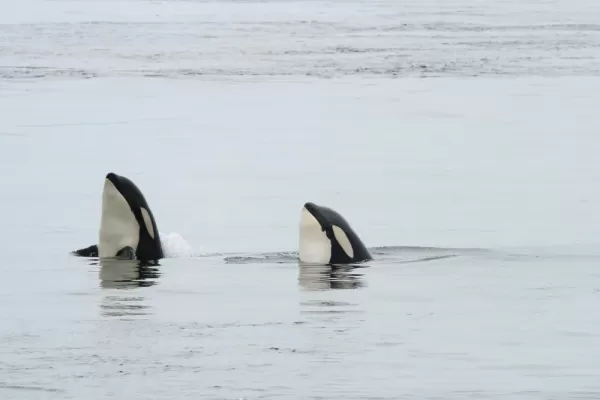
(91, 251)
(327, 218)
(148, 249)
(126, 253)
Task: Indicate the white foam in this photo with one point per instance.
(175, 246)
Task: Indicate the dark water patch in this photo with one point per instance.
(288, 350)
(320, 303)
(388, 65)
(35, 72)
(31, 388)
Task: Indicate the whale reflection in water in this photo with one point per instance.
(314, 277)
(126, 274)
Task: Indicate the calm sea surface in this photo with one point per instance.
(459, 139)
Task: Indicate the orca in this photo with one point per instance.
(127, 226)
(326, 238)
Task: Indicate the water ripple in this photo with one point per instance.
(419, 42)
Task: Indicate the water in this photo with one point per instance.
(458, 138)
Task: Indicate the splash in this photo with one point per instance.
(175, 246)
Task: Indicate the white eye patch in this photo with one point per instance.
(148, 222)
(343, 240)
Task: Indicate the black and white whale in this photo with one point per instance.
(127, 226)
(327, 238)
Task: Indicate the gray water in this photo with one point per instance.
(458, 138)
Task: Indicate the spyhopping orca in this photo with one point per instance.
(127, 228)
(327, 238)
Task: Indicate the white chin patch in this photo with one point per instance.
(118, 227)
(315, 246)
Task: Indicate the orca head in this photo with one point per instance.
(327, 238)
(127, 226)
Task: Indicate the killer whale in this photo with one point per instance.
(128, 229)
(327, 238)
